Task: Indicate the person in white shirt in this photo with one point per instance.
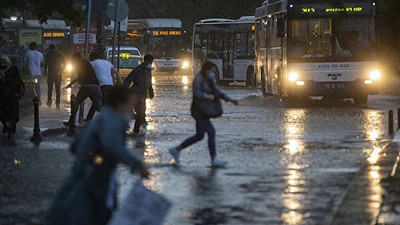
(35, 61)
(105, 73)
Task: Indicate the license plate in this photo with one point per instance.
(334, 86)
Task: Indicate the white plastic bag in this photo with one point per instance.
(141, 207)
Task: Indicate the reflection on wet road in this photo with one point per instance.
(287, 165)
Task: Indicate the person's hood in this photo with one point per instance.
(8, 61)
(3, 72)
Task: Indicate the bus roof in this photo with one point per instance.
(49, 24)
(158, 22)
(243, 19)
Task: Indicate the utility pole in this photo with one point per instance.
(89, 15)
(115, 32)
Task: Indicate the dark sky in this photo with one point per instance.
(192, 11)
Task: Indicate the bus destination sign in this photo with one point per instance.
(167, 33)
(329, 9)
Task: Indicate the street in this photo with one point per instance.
(287, 165)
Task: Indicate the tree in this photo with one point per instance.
(43, 9)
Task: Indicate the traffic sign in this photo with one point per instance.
(123, 25)
(117, 10)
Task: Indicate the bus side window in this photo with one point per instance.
(281, 26)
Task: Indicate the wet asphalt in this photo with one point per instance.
(287, 164)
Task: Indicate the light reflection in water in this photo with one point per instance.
(373, 125)
(17, 162)
(292, 198)
(373, 130)
(294, 130)
(149, 105)
(292, 218)
(152, 156)
(185, 80)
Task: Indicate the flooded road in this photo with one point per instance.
(287, 165)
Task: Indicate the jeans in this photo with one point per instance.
(38, 79)
(91, 91)
(55, 80)
(140, 109)
(203, 125)
(105, 90)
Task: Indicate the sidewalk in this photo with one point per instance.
(368, 193)
(390, 208)
(30, 175)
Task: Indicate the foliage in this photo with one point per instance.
(43, 9)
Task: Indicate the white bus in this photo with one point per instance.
(229, 44)
(164, 38)
(316, 48)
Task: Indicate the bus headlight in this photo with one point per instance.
(185, 64)
(293, 76)
(375, 75)
(69, 67)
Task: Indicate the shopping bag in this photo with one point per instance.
(141, 207)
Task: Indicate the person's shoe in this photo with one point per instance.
(58, 106)
(48, 104)
(175, 154)
(219, 162)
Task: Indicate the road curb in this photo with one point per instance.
(362, 200)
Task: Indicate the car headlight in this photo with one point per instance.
(375, 75)
(185, 64)
(293, 76)
(69, 68)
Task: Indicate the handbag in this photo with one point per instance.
(142, 206)
(211, 108)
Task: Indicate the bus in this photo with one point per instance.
(316, 48)
(164, 38)
(229, 44)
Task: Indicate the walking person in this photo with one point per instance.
(89, 86)
(11, 91)
(139, 80)
(54, 67)
(35, 61)
(105, 73)
(88, 195)
(203, 89)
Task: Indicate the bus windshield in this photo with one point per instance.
(339, 39)
(167, 46)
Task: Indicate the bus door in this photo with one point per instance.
(276, 60)
(244, 55)
(228, 57)
(268, 54)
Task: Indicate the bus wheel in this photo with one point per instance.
(263, 86)
(360, 99)
(250, 76)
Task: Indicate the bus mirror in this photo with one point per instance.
(281, 29)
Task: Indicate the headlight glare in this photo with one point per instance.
(69, 67)
(185, 64)
(375, 75)
(293, 76)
